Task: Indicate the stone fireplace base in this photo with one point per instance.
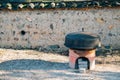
(88, 55)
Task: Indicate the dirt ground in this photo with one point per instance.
(34, 65)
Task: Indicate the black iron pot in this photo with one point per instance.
(82, 40)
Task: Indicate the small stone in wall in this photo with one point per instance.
(56, 12)
(1, 19)
(63, 20)
(1, 32)
(16, 39)
(100, 32)
(13, 33)
(83, 29)
(35, 32)
(28, 32)
(8, 39)
(38, 13)
(100, 20)
(28, 26)
(51, 26)
(20, 26)
(14, 20)
(110, 34)
(117, 18)
(0, 26)
(110, 27)
(29, 19)
(26, 39)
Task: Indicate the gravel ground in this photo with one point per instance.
(34, 65)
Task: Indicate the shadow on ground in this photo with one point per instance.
(33, 69)
(106, 75)
(32, 64)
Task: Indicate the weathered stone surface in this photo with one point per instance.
(30, 29)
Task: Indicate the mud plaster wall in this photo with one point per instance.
(31, 29)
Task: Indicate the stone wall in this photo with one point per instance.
(42, 28)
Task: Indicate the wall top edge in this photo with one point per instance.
(48, 4)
